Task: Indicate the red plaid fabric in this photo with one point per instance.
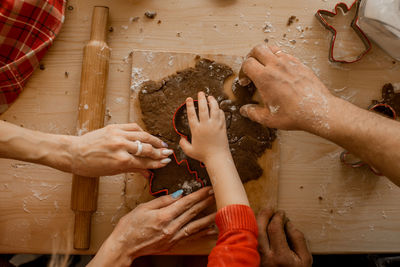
(27, 29)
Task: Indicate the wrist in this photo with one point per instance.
(113, 253)
(57, 152)
(217, 156)
(324, 119)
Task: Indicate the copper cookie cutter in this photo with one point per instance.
(380, 108)
(320, 16)
(178, 162)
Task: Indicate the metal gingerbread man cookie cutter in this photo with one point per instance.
(320, 16)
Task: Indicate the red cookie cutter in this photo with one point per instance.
(320, 16)
(343, 156)
(179, 162)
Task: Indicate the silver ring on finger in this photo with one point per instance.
(186, 231)
(139, 148)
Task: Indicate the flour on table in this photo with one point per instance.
(137, 78)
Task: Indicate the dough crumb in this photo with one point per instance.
(150, 14)
(133, 19)
(291, 20)
(108, 115)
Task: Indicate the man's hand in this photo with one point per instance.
(155, 227)
(209, 139)
(280, 243)
(293, 97)
(113, 149)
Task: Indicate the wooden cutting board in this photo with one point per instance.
(150, 65)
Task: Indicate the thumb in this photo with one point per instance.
(256, 113)
(186, 146)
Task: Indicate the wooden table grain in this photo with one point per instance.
(339, 209)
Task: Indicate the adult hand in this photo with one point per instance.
(155, 227)
(114, 149)
(280, 243)
(293, 97)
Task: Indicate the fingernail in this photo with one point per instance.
(166, 161)
(212, 232)
(177, 194)
(164, 144)
(167, 152)
(243, 111)
(244, 81)
(211, 192)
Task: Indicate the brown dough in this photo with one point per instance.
(159, 101)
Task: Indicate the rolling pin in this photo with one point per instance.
(96, 56)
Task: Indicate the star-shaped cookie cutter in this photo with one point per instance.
(367, 43)
(178, 162)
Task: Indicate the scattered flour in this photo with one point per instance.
(39, 195)
(56, 206)
(170, 60)
(268, 27)
(320, 108)
(24, 205)
(137, 78)
(83, 129)
(274, 109)
(149, 56)
(384, 216)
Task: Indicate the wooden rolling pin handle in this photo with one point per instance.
(95, 65)
(82, 229)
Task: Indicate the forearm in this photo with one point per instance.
(227, 186)
(372, 137)
(34, 146)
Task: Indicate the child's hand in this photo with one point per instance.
(209, 139)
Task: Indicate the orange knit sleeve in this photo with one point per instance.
(237, 240)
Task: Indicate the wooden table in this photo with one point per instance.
(358, 212)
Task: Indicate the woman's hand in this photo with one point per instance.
(209, 139)
(114, 149)
(155, 227)
(294, 98)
